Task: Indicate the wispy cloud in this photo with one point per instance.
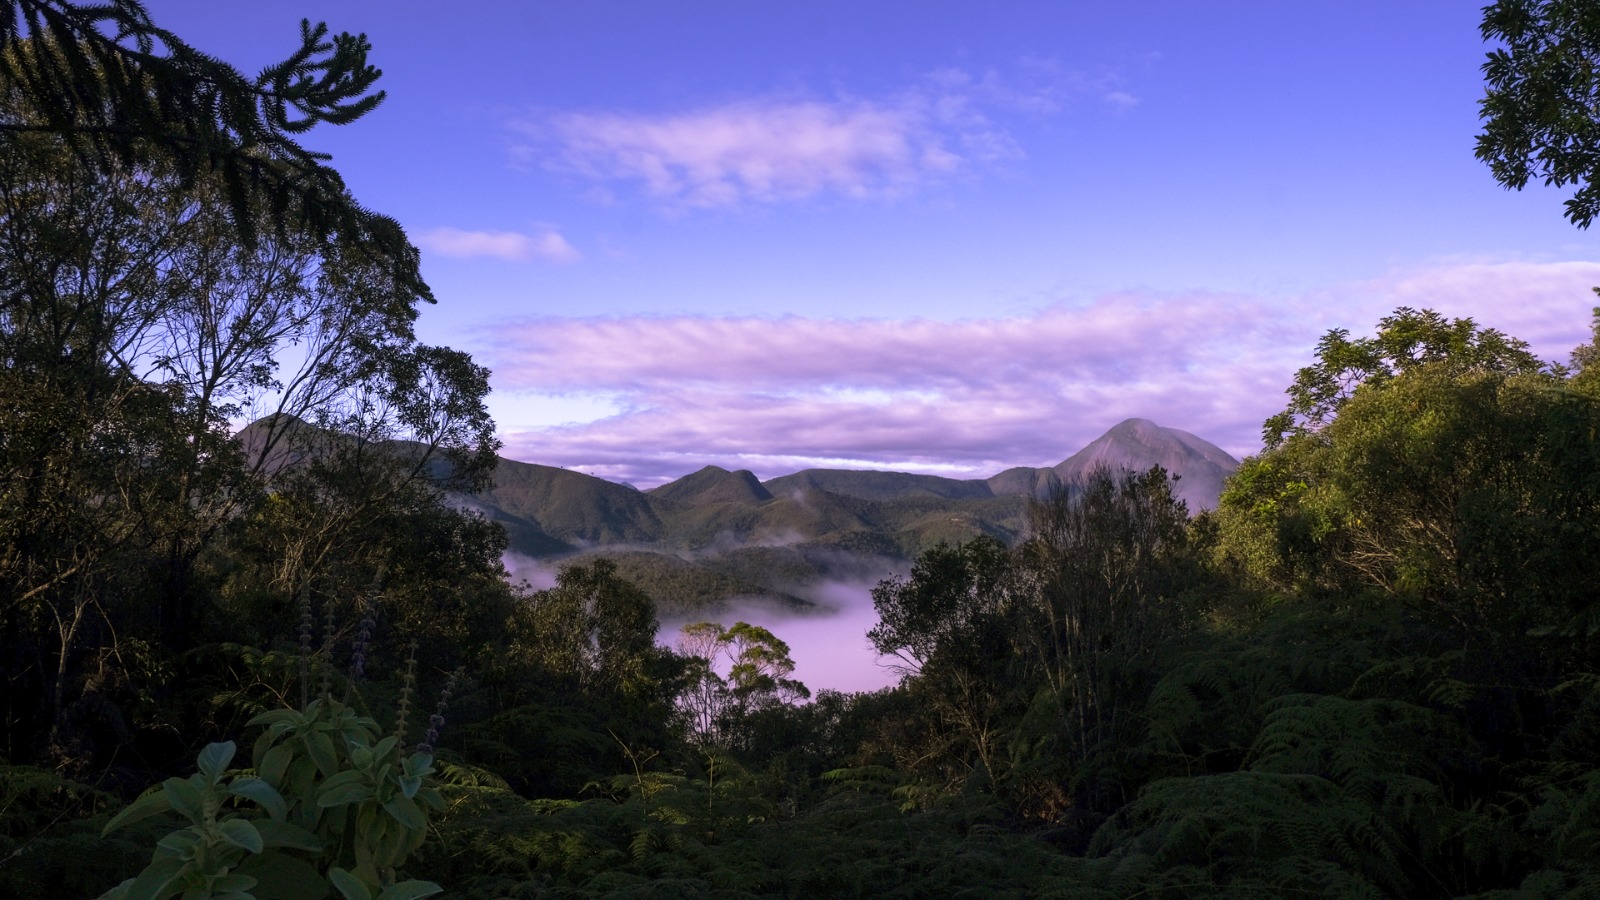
(765, 150)
(968, 398)
(512, 246)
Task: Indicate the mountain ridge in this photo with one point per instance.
(717, 536)
(711, 506)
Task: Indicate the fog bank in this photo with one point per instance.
(829, 648)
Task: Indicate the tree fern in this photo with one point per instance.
(1297, 834)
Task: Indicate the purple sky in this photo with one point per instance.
(929, 236)
(970, 397)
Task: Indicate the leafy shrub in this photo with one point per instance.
(331, 804)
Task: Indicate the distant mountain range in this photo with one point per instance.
(714, 535)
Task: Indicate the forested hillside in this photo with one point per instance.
(292, 666)
(716, 536)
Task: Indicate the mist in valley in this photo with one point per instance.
(829, 646)
(828, 641)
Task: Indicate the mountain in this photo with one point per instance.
(869, 485)
(714, 485)
(570, 507)
(1199, 467)
(715, 536)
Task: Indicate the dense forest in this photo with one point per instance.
(279, 664)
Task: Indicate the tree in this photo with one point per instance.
(1110, 575)
(1543, 87)
(594, 627)
(1405, 341)
(1460, 482)
(952, 623)
(733, 674)
(118, 88)
(143, 316)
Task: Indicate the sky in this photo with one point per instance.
(925, 236)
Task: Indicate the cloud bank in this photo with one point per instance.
(968, 398)
(767, 150)
(511, 246)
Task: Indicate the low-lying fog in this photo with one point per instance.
(829, 647)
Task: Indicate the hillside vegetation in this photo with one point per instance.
(291, 664)
(715, 535)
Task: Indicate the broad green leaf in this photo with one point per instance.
(321, 749)
(406, 813)
(348, 885)
(343, 779)
(241, 833)
(409, 785)
(150, 804)
(262, 793)
(186, 798)
(156, 882)
(180, 844)
(285, 834)
(274, 763)
(233, 882)
(286, 716)
(347, 793)
(431, 798)
(385, 747)
(419, 764)
(214, 759)
(360, 757)
(284, 877)
(410, 890)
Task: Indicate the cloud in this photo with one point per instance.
(781, 149)
(968, 398)
(511, 246)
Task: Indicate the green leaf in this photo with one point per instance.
(182, 844)
(406, 813)
(419, 764)
(156, 881)
(274, 763)
(214, 759)
(284, 877)
(286, 716)
(186, 799)
(262, 793)
(348, 885)
(150, 804)
(385, 747)
(409, 785)
(343, 779)
(120, 892)
(320, 747)
(241, 833)
(410, 890)
(285, 834)
(233, 882)
(343, 794)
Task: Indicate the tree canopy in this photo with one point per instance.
(118, 87)
(1543, 87)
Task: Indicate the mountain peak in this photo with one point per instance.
(1137, 444)
(714, 484)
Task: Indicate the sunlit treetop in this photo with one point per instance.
(1406, 340)
(1542, 93)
